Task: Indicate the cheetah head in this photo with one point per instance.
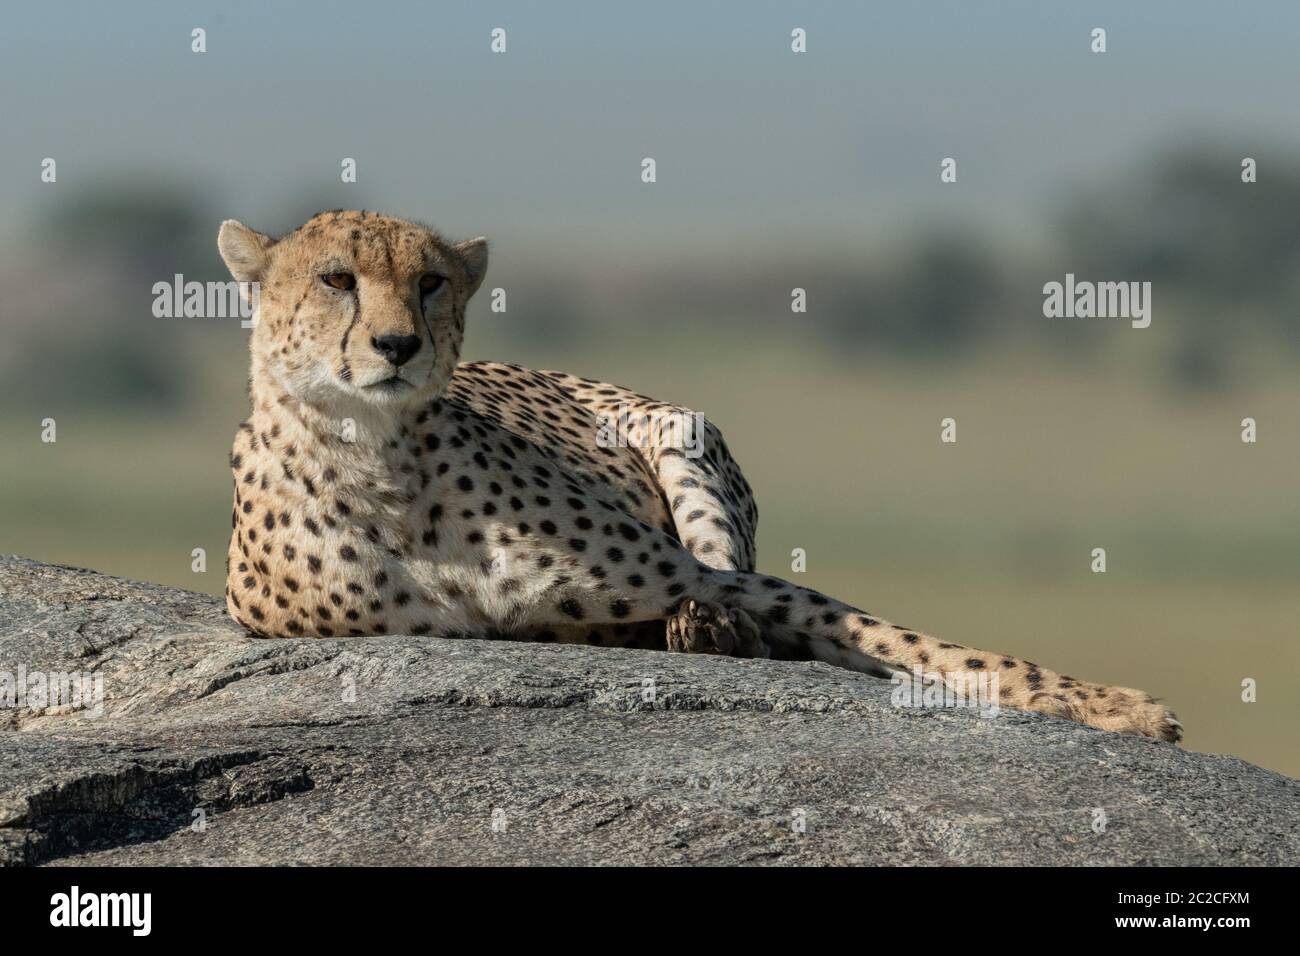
(355, 307)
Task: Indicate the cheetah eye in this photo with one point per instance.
(429, 282)
(340, 280)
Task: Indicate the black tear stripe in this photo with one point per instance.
(428, 247)
(432, 345)
(356, 312)
(424, 317)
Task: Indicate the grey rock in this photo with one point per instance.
(212, 747)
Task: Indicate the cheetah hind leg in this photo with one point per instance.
(701, 628)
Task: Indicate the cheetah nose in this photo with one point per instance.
(398, 349)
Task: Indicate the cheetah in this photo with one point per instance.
(382, 487)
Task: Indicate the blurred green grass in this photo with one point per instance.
(985, 542)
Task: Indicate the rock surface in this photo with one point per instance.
(213, 747)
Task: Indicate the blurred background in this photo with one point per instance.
(775, 170)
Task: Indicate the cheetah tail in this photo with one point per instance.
(798, 623)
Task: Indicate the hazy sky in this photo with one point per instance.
(544, 142)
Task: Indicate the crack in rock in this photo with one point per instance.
(143, 800)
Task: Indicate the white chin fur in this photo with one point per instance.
(320, 386)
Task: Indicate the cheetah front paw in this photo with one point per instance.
(700, 628)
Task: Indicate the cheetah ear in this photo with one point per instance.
(474, 254)
(245, 250)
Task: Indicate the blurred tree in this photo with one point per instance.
(939, 299)
(88, 276)
(153, 230)
(1228, 251)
